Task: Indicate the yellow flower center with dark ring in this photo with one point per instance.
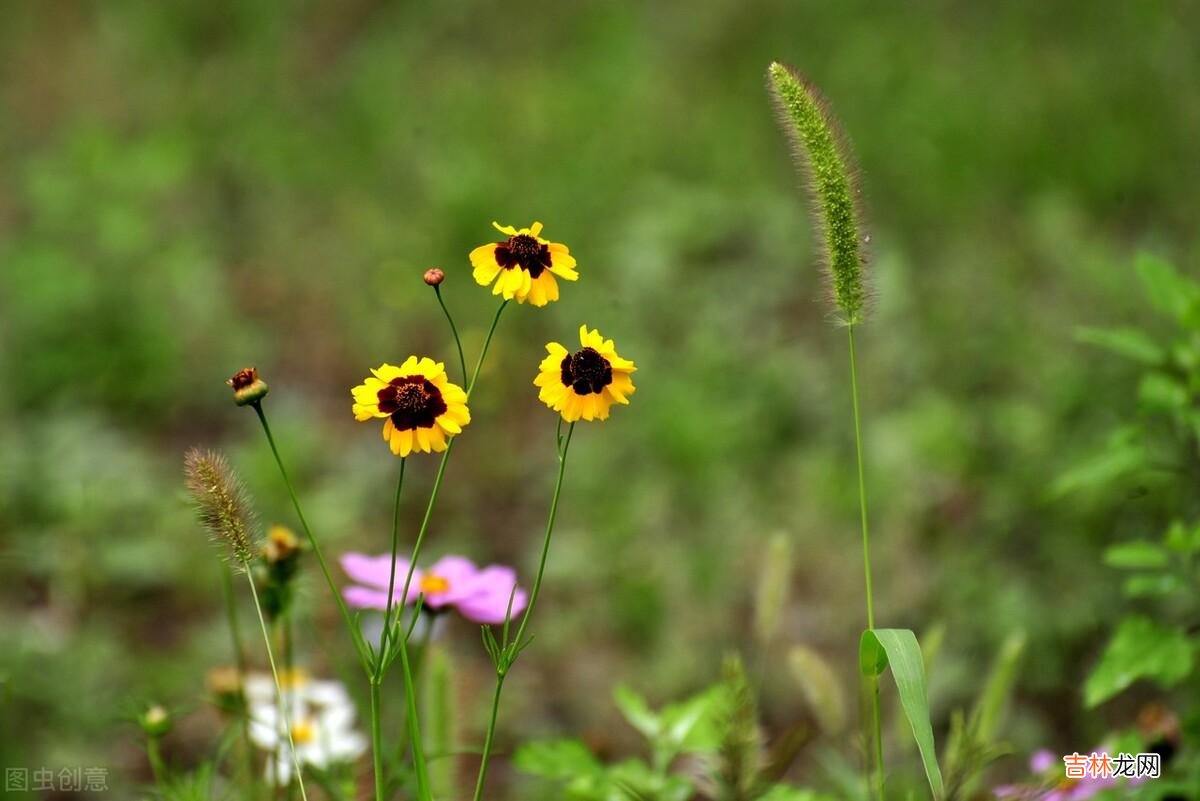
(586, 372)
(433, 585)
(523, 251)
(413, 401)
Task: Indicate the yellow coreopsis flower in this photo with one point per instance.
(585, 384)
(523, 267)
(423, 409)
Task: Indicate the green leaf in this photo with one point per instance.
(898, 649)
(1140, 649)
(1136, 556)
(1161, 392)
(1122, 455)
(691, 725)
(1182, 538)
(998, 688)
(559, 760)
(1152, 585)
(782, 792)
(637, 712)
(1167, 290)
(1128, 342)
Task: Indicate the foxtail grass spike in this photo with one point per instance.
(222, 503)
(825, 165)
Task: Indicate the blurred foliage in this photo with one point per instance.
(189, 188)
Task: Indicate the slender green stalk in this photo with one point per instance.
(437, 481)
(381, 659)
(491, 736)
(157, 766)
(377, 739)
(387, 615)
(876, 741)
(409, 687)
(486, 344)
(283, 708)
(462, 362)
(289, 660)
(519, 640)
(537, 582)
(351, 628)
(414, 727)
(239, 660)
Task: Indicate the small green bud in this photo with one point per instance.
(247, 386)
(155, 721)
(824, 163)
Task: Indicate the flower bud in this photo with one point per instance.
(225, 685)
(155, 721)
(434, 276)
(247, 386)
(281, 545)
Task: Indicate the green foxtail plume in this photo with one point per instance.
(825, 165)
(222, 503)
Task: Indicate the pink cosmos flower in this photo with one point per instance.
(1054, 786)
(479, 595)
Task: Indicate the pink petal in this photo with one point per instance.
(455, 569)
(365, 598)
(491, 608)
(375, 571)
(1043, 760)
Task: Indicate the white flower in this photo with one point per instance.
(322, 722)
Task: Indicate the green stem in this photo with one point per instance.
(351, 628)
(414, 726)
(876, 735)
(387, 615)
(437, 481)
(518, 641)
(377, 740)
(414, 730)
(486, 343)
(381, 658)
(239, 657)
(462, 362)
(283, 709)
(491, 736)
(537, 582)
(289, 663)
(157, 766)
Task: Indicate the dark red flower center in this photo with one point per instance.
(586, 372)
(523, 251)
(413, 401)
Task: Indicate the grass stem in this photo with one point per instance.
(875, 736)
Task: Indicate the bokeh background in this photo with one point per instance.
(188, 188)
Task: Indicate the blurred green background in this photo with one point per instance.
(188, 188)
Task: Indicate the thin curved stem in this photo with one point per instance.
(537, 582)
(876, 735)
(387, 615)
(462, 361)
(351, 628)
(381, 658)
(437, 481)
(283, 709)
(239, 657)
(518, 642)
(486, 344)
(491, 736)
